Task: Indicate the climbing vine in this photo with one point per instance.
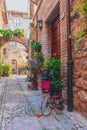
(5, 35)
(81, 12)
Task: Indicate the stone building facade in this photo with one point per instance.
(15, 54)
(19, 20)
(15, 50)
(54, 39)
(3, 16)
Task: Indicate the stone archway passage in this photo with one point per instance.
(21, 40)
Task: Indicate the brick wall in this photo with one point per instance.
(3, 19)
(45, 12)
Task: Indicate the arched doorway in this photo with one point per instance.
(14, 66)
(16, 55)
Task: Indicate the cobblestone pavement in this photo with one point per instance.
(19, 108)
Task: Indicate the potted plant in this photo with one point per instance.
(54, 65)
(46, 79)
(56, 87)
(32, 73)
(36, 46)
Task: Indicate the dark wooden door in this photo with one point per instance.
(56, 40)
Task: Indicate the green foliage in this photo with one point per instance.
(22, 70)
(54, 66)
(18, 32)
(57, 85)
(81, 9)
(1, 70)
(36, 46)
(76, 10)
(46, 74)
(30, 78)
(71, 36)
(7, 70)
(85, 7)
(80, 34)
(8, 33)
(39, 55)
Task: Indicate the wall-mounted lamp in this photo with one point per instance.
(40, 24)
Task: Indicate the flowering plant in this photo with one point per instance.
(46, 74)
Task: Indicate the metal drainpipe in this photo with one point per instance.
(69, 63)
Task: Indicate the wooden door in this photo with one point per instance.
(56, 40)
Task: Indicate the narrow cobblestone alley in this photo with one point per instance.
(19, 108)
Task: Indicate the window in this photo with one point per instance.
(13, 43)
(17, 22)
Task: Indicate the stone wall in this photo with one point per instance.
(15, 51)
(3, 18)
(80, 67)
(18, 20)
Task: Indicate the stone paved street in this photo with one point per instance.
(19, 108)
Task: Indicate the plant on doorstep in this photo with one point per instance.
(52, 73)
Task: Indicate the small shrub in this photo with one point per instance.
(7, 70)
(1, 70)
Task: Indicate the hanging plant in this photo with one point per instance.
(5, 35)
(18, 33)
(36, 46)
(81, 10)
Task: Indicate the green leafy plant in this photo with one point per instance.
(85, 7)
(80, 34)
(54, 66)
(22, 70)
(36, 46)
(33, 72)
(8, 33)
(57, 86)
(81, 9)
(46, 74)
(1, 70)
(18, 32)
(7, 70)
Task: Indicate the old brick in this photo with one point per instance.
(77, 74)
(83, 65)
(78, 83)
(84, 77)
(84, 85)
(79, 55)
(80, 106)
(82, 96)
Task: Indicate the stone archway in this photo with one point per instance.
(21, 40)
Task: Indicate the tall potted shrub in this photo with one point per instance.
(55, 68)
(46, 79)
